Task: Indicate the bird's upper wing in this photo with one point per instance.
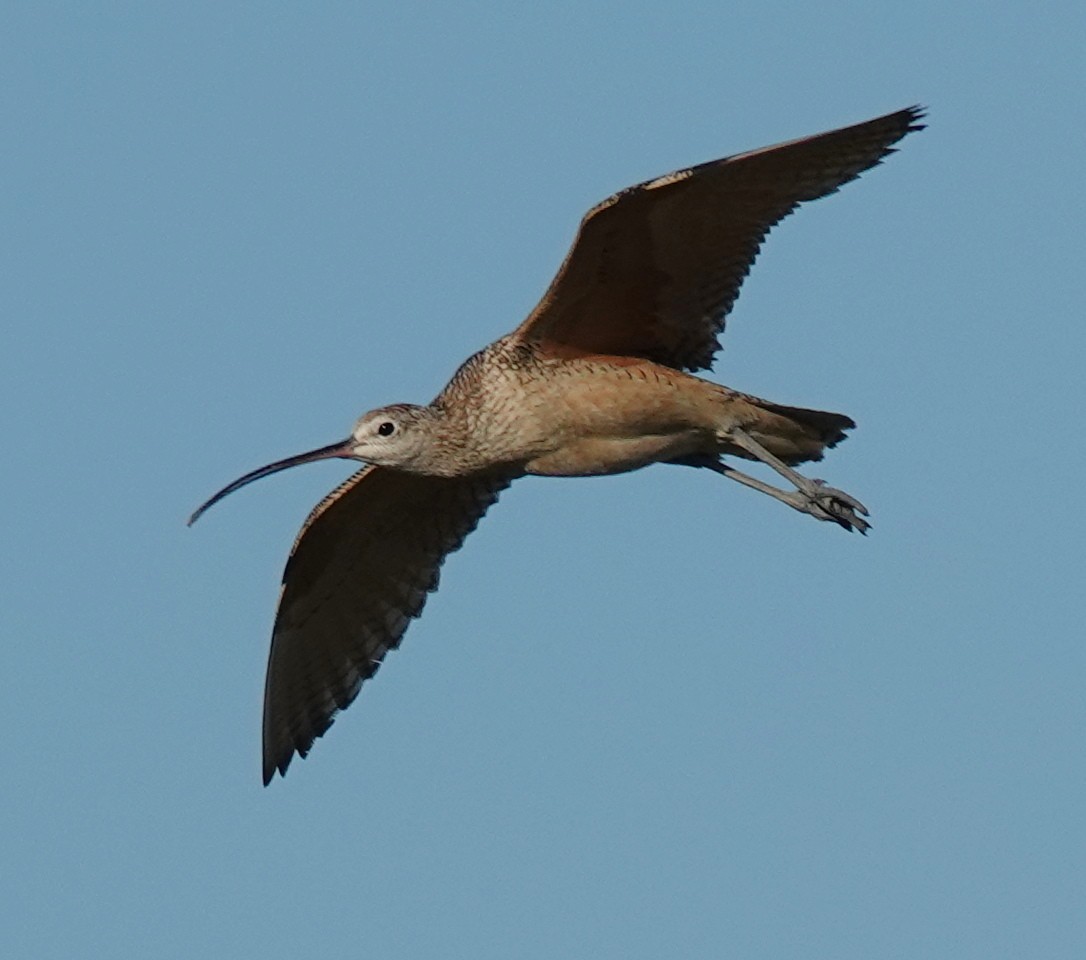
(655, 269)
(360, 569)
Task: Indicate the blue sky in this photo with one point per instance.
(653, 715)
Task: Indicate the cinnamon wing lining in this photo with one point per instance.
(360, 570)
(655, 269)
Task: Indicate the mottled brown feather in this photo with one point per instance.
(655, 269)
(651, 276)
(360, 569)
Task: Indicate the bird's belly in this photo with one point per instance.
(598, 456)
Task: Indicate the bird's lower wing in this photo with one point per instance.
(361, 568)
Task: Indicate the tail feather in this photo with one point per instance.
(796, 434)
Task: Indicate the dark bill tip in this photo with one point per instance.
(333, 450)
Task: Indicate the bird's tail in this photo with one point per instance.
(795, 434)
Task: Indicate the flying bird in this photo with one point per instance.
(597, 380)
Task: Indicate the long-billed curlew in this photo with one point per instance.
(591, 383)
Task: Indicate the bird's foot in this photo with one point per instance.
(812, 497)
(823, 502)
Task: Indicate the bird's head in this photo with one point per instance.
(397, 436)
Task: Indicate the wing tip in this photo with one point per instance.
(901, 123)
(914, 117)
(278, 764)
(279, 749)
(278, 757)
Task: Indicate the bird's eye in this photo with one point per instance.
(386, 429)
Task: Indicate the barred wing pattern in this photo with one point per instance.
(655, 269)
(361, 568)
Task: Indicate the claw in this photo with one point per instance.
(828, 503)
(825, 503)
(841, 511)
(812, 497)
(835, 494)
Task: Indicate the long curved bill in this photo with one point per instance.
(332, 451)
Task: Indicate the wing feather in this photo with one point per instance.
(360, 570)
(655, 269)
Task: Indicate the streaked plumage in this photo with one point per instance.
(592, 382)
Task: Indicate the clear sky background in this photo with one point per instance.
(649, 716)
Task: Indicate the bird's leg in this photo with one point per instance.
(812, 497)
